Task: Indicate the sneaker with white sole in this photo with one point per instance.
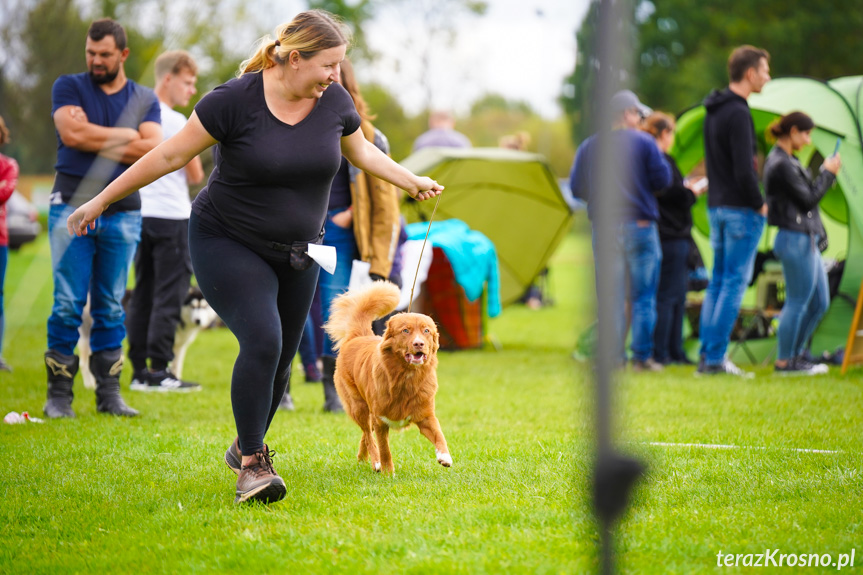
(163, 381)
(649, 364)
(140, 381)
(726, 367)
(801, 366)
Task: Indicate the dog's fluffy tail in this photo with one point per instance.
(352, 313)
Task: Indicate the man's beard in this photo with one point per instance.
(105, 78)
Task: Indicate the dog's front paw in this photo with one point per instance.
(444, 459)
(377, 466)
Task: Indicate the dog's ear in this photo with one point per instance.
(436, 335)
(387, 341)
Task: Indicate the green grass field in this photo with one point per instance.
(152, 494)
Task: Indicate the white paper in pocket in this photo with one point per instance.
(324, 255)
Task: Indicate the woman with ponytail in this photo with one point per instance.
(792, 200)
(675, 235)
(282, 127)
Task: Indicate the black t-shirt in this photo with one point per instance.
(272, 180)
(340, 193)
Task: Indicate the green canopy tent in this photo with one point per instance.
(512, 197)
(836, 107)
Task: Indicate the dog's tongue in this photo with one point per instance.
(415, 359)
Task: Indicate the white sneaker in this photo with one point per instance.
(731, 369)
(163, 381)
(726, 367)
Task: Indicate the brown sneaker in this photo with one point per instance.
(258, 481)
(233, 459)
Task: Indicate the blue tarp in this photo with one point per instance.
(470, 253)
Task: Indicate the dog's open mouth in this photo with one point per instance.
(415, 358)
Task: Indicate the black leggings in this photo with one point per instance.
(265, 305)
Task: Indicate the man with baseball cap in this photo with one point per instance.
(643, 171)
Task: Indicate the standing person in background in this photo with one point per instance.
(642, 173)
(441, 133)
(282, 127)
(8, 182)
(105, 122)
(793, 199)
(163, 268)
(362, 222)
(675, 234)
(736, 208)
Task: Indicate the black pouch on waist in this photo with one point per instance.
(300, 259)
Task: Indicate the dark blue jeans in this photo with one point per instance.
(807, 294)
(734, 237)
(671, 302)
(265, 304)
(308, 349)
(333, 285)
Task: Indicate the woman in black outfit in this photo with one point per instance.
(282, 127)
(675, 234)
(792, 200)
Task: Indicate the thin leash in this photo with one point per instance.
(419, 261)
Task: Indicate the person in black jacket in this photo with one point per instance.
(735, 208)
(675, 235)
(792, 197)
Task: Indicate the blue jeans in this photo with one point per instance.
(807, 294)
(333, 285)
(734, 237)
(4, 259)
(635, 265)
(308, 350)
(97, 263)
(671, 302)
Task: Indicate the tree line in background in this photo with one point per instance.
(46, 39)
(680, 48)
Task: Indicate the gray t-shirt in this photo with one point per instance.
(272, 180)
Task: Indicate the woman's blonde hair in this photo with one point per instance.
(657, 123)
(308, 33)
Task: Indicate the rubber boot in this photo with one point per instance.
(106, 366)
(332, 403)
(61, 375)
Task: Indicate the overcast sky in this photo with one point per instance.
(521, 49)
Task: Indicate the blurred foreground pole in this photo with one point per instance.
(614, 474)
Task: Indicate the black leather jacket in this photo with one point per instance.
(792, 196)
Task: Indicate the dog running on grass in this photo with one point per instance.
(390, 381)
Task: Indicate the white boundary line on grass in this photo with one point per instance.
(720, 446)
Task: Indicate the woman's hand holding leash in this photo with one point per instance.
(426, 189)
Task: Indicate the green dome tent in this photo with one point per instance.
(836, 107)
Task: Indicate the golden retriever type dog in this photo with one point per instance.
(390, 381)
